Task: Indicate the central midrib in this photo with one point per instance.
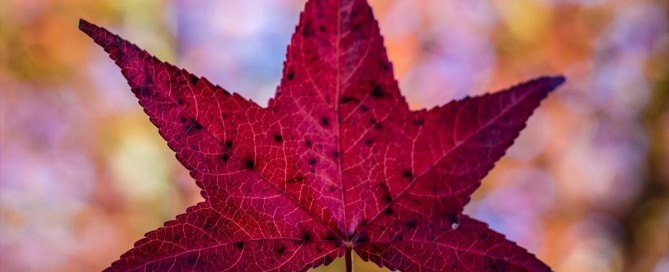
(338, 128)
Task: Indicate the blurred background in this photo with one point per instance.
(83, 174)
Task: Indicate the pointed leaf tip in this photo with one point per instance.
(553, 82)
(100, 35)
(95, 32)
(86, 27)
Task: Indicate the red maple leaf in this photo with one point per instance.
(336, 162)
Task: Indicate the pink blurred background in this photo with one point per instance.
(83, 174)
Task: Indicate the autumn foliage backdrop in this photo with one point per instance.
(83, 174)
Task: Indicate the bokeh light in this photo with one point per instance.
(83, 173)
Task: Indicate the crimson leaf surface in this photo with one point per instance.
(335, 163)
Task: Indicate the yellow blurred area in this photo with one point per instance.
(84, 174)
(527, 21)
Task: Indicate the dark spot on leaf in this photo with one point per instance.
(224, 157)
(191, 126)
(346, 99)
(376, 250)
(369, 142)
(398, 238)
(194, 79)
(493, 265)
(180, 101)
(364, 108)
(117, 55)
(387, 198)
(321, 28)
(148, 78)
(307, 143)
(331, 237)
(418, 122)
(117, 40)
(407, 174)
(306, 236)
(453, 219)
(181, 82)
(332, 189)
(207, 226)
(325, 121)
(411, 224)
(278, 138)
(290, 75)
(435, 188)
(239, 245)
(378, 92)
(281, 249)
(364, 223)
(385, 66)
(307, 30)
(312, 161)
(372, 121)
(191, 259)
(228, 144)
(335, 154)
(483, 236)
(142, 91)
(295, 180)
(388, 211)
(250, 164)
(363, 237)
